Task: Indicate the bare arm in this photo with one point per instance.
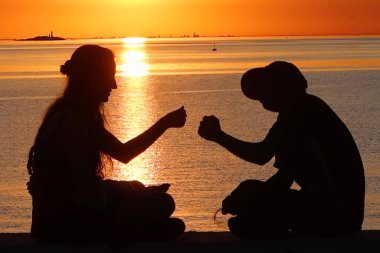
(125, 152)
(258, 153)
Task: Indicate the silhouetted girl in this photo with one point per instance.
(71, 199)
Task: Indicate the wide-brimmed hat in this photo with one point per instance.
(279, 76)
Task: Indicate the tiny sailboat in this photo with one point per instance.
(214, 48)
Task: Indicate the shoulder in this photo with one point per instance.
(312, 103)
(53, 122)
(70, 124)
(309, 114)
(313, 109)
(320, 119)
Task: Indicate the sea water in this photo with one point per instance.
(158, 75)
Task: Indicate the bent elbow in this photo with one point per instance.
(124, 161)
(256, 160)
(264, 154)
(262, 162)
(123, 158)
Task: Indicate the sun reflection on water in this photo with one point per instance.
(133, 110)
(134, 115)
(133, 58)
(134, 42)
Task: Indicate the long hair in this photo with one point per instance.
(81, 70)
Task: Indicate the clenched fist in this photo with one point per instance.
(209, 128)
(176, 118)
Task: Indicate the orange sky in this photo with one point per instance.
(104, 18)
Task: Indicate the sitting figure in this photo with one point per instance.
(311, 146)
(72, 202)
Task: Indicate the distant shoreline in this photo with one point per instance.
(41, 38)
(47, 38)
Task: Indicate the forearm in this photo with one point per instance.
(256, 153)
(259, 153)
(125, 152)
(139, 144)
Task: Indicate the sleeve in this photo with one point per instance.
(273, 137)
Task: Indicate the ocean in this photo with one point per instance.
(157, 75)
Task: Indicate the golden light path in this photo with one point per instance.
(134, 58)
(133, 109)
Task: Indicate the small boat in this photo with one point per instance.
(214, 49)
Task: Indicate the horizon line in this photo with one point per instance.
(211, 36)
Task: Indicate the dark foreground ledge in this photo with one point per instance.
(208, 242)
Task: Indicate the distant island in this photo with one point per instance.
(50, 36)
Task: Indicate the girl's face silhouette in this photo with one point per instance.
(105, 81)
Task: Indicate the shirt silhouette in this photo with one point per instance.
(311, 146)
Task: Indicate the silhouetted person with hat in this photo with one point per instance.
(311, 147)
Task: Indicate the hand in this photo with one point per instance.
(158, 188)
(230, 205)
(137, 185)
(175, 118)
(248, 191)
(209, 128)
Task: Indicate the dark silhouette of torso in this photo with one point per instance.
(315, 149)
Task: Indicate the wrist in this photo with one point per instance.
(220, 137)
(163, 124)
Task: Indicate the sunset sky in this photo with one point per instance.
(108, 18)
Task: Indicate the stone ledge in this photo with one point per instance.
(208, 242)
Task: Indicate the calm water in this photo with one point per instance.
(159, 75)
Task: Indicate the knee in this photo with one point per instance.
(232, 224)
(237, 227)
(250, 185)
(137, 185)
(169, 203)
(177, 226)
(165, 203)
